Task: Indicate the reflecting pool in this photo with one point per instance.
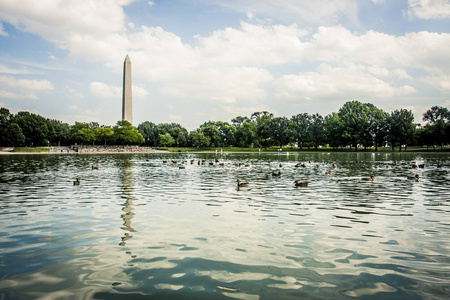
(165, 226)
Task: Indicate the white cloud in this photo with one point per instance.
(2, 30)
(12, 95)
(317, 11)
(429, 9)
(26, 84)
(441, 82)
(351, 82)
(103, 90)
(8, 70)
(81, 26)
(244, 64)
(378, 1)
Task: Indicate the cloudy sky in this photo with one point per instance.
(200, 60)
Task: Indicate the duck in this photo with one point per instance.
(421, 166)
(415, 177)
(301, 184)
(276, 174)
(76, 182)
(211, 163)
(241, 184)
(329, 173)
(181, 167)
(334, 166)
(192, 161)
(371, 178)
(94, 168)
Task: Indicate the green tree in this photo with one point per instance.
(377, 125)
(210, 130)
(279, 130)
(239, 121)
(263, 131)
(125, 133)
(166, 140)
(436, 113)
(5, 121)
(333, 130)
(34, 128)
(87, 135)
(301, 123)
(246, 134)
(150, 133)
(14, 136)
(104, 133)
(355, 123)
(199, 139)
(401, 128)
(438, 119)
(317, 132)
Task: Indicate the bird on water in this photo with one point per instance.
(276, 174)
(241, 184)
(301, 184)
(76, 182)
(371, 178)
(415, 177)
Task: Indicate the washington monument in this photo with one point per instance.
(127, 107)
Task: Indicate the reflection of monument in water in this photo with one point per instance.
(127, 191)
(127, 106)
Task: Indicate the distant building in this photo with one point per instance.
(127, 105)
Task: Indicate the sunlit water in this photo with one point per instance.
(140, 228)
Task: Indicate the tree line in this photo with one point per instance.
(355, 125)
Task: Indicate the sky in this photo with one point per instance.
(195, 61)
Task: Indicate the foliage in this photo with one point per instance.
(125, 133)
(166, 139)
(355, 124)
(401, 128)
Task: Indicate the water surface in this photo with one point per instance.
(139, 227)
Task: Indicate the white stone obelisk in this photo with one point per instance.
(127, 107)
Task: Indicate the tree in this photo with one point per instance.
(317, 130)
(14, 136)
(34, 128)
(355, 123)
(438, 119)
(150, 133)
(333, 130)
(199, 139)
(239, 121)
(377, 130)
(210, 130)
(75, 131)
(125, 133)
(263, 131)
(104, 133)
(246, 134)
(436, 113)
(279, 130)
(86, 135)
(5, 121)
(301, 123)
(401, 127)
(166, 140)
